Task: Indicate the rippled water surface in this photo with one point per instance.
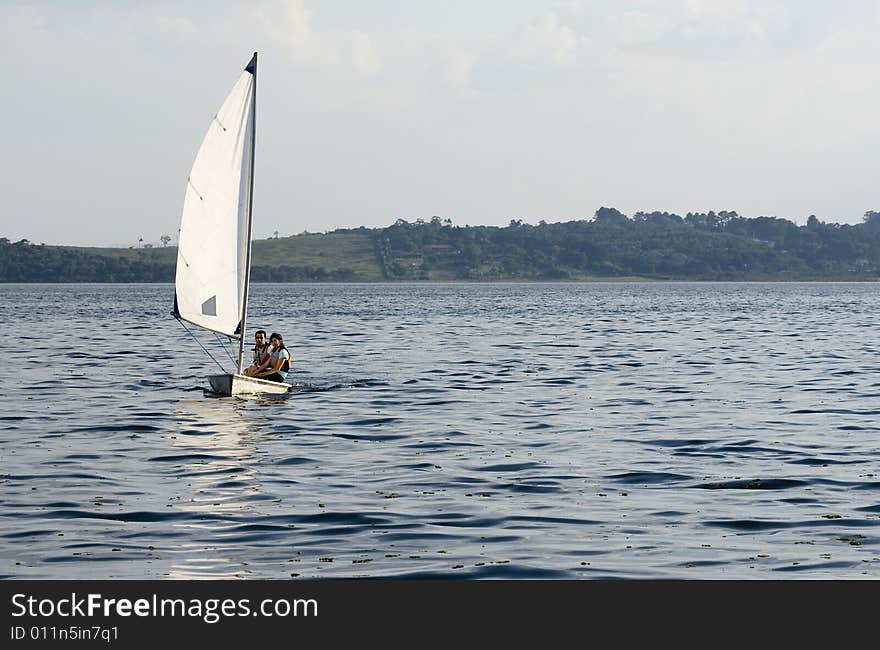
(474, 431)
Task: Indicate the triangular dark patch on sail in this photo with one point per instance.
(252, 66)
(175, 311)
(238, 329)
(209, 307)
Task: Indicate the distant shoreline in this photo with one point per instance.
(612, 247)
(468, 282)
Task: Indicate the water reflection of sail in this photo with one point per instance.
(215, 446)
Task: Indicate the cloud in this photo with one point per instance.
(546, 41)
(365, 59)
(459, 69)
(632, 28)
(289, 25)
(698, 28)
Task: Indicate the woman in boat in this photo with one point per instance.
(279, 360)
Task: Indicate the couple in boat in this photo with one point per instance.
(271, 360)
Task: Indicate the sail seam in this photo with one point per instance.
(198, 194)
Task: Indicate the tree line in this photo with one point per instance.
(655, 245)
(650, 245)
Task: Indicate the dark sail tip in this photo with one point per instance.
(252, 66)
(175, 310)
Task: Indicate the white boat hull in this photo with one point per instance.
(230, 385)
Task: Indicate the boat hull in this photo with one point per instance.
(230, 385)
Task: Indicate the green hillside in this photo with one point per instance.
(352, 252)
(336, 256)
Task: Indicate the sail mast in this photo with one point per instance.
(252, 68)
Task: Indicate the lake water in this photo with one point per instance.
(448, 430)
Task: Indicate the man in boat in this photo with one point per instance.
(262, 352)
(279, 360)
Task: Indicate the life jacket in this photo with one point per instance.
(261, 352)
(285, 363)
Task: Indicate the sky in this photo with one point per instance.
(478, 111)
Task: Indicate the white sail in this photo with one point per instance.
(213, 252)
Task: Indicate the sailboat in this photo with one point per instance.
(214, 250)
